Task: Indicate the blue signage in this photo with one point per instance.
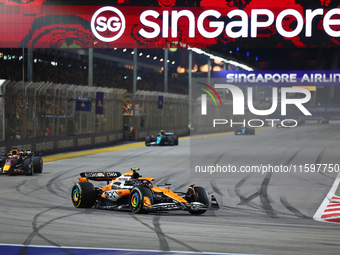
(160, 102)
(83, 106)
(99, 102)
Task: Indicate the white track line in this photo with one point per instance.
(135, 251)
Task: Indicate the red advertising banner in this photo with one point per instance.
(254, 23)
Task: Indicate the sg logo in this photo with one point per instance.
(108, 24)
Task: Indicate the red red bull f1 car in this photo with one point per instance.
(131, 192)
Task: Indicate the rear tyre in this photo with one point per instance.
(28, 167)
(147, 141)
(2, 161)
(198, 194)
(83, 195)
(136, 199)
(38, 164)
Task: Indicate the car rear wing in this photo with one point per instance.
(26, 154)
(21, 152)
(100, 176)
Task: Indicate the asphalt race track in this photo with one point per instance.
(261, 213)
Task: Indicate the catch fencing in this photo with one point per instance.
(40, 115)
(148, 112)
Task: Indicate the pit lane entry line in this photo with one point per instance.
(53, 250)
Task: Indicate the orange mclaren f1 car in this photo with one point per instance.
(130, 191)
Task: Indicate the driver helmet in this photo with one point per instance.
(162, 132)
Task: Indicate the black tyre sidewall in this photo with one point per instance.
(38, 164)
(202, 197)
(147, 141)
(28, 167)
(175, 140)
(171, 140)
(83, 195)
(136, 199)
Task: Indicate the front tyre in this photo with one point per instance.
(37, 164)
(28, 167)
(137, 197)
(171, 140)
(83, 195)
(198, 194)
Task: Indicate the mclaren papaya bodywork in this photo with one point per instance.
(131, 192)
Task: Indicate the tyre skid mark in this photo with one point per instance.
(168, 177)
(249, 198)
(292, 209)
(318, 161)
(17, 188)
(218, 159)
(263, 193)
(28, 194)
(36, 229)
(163, 244)
(55, 178)
(264, 197)
(216, 189)
(166, 236)
(242, 197)
(264, 190)
(292, 157)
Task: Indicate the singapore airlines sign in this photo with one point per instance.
(108, 23)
